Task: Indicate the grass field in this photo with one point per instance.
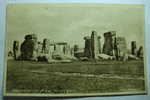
(76, 77)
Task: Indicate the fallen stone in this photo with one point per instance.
(84, 58)
(133, 57)
(105, 57)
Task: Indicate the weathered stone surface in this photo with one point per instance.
(57, 48)
(16, 49)
(105, 57)
(94, 45)
(31, 37)
(132, 57)
(66, 49)
(46, 46)
(76, 49)
(72, 51)
(99, 44)
(116, 50)
(29, 48)
(62, 57)
(39, 48)
(108, 43)
(121, 47)
(140, 52)
(133, 48)
(87, 48)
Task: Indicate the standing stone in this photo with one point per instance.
(108, 43)
(16, 49)
(57, 54)
(35, 48)
(68, 50)
(29, 47)
(35, 51)
(99, 44)
(72, 51)
(116, 50)
(46, 46)
(87, 49)
(57, 48)
(39, 50)
(121, 47)
(76, 49)
(47, 50)
(51, 50)
(65, 49)
(140, 52)
(133, 48)
(94, 45)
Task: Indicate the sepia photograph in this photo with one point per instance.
(74, 49)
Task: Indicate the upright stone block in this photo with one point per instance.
(68, 50)
(140, 52)
(39, 50)
(121, 47)
(46, 46)
(76, 49)
(99, 44)
(87, 48)
(133, 48)
(57, 48)
(94, 45)
(29, 48)
(116, 49)
(16, 49)
(64, 49)
(108, 43)
(72, 51)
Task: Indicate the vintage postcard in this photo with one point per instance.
(74, 49)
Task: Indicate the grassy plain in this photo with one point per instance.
(76, 77)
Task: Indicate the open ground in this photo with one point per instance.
(75, 77)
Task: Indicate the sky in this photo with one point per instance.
(70, 22)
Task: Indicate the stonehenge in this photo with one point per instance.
(32, 49)
(114, 47)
